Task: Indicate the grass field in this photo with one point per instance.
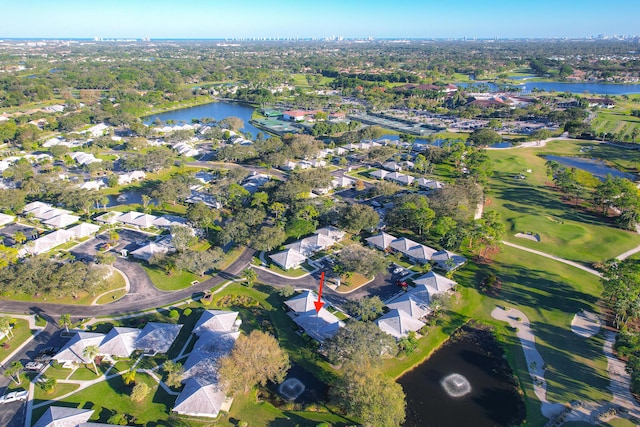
(531, 205)
(618, 120)
(21, 332)
(178, 280)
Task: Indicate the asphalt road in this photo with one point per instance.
(142, 295)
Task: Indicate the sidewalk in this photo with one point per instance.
(32, 326)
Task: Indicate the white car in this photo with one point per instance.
(14, 396)
(398, 270)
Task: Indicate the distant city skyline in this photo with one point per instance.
(201, 19)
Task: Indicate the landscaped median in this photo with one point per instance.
(351, 283)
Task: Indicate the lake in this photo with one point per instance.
(492, 398)
(578, 88)
(214, 110)
(596, 167)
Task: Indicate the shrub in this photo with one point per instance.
(173, 314)
(187, 312)
(139, 392)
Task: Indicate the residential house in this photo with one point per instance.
(120, 342)
(157, 337)
(83, 230)
(398, 323)
(62, 416)
(73, 351)
(318, 325)
(288, 259)
(435, 283)
(312, 244)
(146, 252)
(381, 241)
(448, 261)
(413, 250)
(416, 302)
(379, 174)
(61, 221)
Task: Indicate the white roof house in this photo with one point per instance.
(288, 259)
(303, 303)
(128, 178)
(120, 342)
(343, 182)
(435, 283)
(59, 416)
(61, 221)
(398, 323)
(400, 178)
(392, 166)
(320, 325)
(379, 173)
(168, 221)
(381, 241)
(217, 321)
(157, 337)
(109, 217)
(429, 184)
(43, 214)
(203, 395)
(46, 243)
(6, 219)
(83, 229)
(312, 244)
(201, 398)
(448, 260)
(413, 250)
(73, 350)
(137, 219)
(150, 249)
(414, 302)
(331, 232)
(84, 158)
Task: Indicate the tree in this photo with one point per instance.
(255, 359)
(299, 227)
(286, 291)
(367, 308)
(358, 259)
(19, 237)
(129, 377)
(411, 212)
(182, 237)
(268, 238)
(232, 122)
(365, 393)
(13, 371)
(621, 283)
(250, 276)
(359, 342)
(146, 199)
(485, 136)
(105, 258)
(90, 352)
(202, 216)
(140, 392)
(174, 372)
(357, 217)
(8, 255)
(277, 209)
(65, 321)
(199, 262)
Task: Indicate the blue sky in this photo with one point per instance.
(304, 18)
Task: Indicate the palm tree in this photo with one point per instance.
(250, 276)
(145, 203)
(19, 237)
(13, 372)
(5, 326)
(90, 352)
(65, 320)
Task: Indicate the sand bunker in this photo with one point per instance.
(586, 324)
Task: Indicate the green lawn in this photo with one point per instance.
(531, 205)
(59, 390)
(178, 280)
(21, 333)
(109, 397)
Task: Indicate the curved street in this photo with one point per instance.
(142, 294)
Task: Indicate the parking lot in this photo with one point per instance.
(128, 239)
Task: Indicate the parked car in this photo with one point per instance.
(14, 396)
(398, 270)
(33, 366)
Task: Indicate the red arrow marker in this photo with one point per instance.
(319, 303)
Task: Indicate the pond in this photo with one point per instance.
(467, 382)
(596, 167)
(313, 390)
(215, 110)
(578, 88)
